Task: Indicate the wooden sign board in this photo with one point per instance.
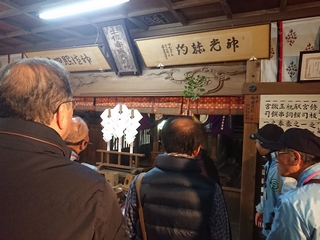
(76, 59)
(207, 47)
(287, 111)
(251, 108)
(119, 46)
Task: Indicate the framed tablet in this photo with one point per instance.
(309, 66)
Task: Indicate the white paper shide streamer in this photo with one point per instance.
(120, 122)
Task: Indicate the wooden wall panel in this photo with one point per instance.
(224, 80)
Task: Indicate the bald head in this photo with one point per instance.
(78, 136)
(182, 134)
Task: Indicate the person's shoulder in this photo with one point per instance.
(81, 174)
(295, 195)
(207, 181)
(273, 168)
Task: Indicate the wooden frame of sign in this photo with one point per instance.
(79, 59)
(236, 44)
(119, 48)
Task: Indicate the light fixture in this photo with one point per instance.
(78, 7)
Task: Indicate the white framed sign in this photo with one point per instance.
(287, 111)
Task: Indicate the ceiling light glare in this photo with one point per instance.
(79, 7)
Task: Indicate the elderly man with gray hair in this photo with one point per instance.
(297, 214)
(44, 195)
(78, 140)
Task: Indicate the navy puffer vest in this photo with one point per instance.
(177, 200)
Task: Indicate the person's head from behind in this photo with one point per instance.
(38, 90)
(182, 135)
(265, 137)
(297, 149)
(78, 137)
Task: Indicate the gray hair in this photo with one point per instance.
(309, 158)
(32, 89)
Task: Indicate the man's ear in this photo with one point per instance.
(60, 116)
(196, 152)
(83, 145)
(297, 158)
(62, 120)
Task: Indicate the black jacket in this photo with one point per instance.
(177, 200)
(44, 195)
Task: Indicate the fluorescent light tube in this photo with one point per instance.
(79, 7)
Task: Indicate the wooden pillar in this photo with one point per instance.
(251, 120)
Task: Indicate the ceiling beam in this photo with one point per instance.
(28, 31)
(283, 5)
(45, 36)
(304, 6)
(16, 25)
(226, 8)
(25, 41)
(192, 3)
(49, 45)
(6, 44)
(137, 22)
(175, 13)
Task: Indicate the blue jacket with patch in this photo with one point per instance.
(273, 187)
(297, 215)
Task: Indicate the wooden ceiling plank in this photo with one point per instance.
(9, 13)
(217, 24)
(303, 6)
(49, 45)
(192, 3)
(45, 36)
(283, 5)
(28, 31)
(226, 8)
(149, 11)
(11, 4)
(5, 44)
(139, 23)
(74, 33)
(45, 29)
(25, 41)
(16, 25)
(176, 14)
(210, 24)
(17, 10)
(2, 34)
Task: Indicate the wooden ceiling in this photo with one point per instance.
(21, 30)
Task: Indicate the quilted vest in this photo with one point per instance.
(177, 200)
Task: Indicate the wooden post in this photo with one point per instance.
(155, 138)
(248, 161)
